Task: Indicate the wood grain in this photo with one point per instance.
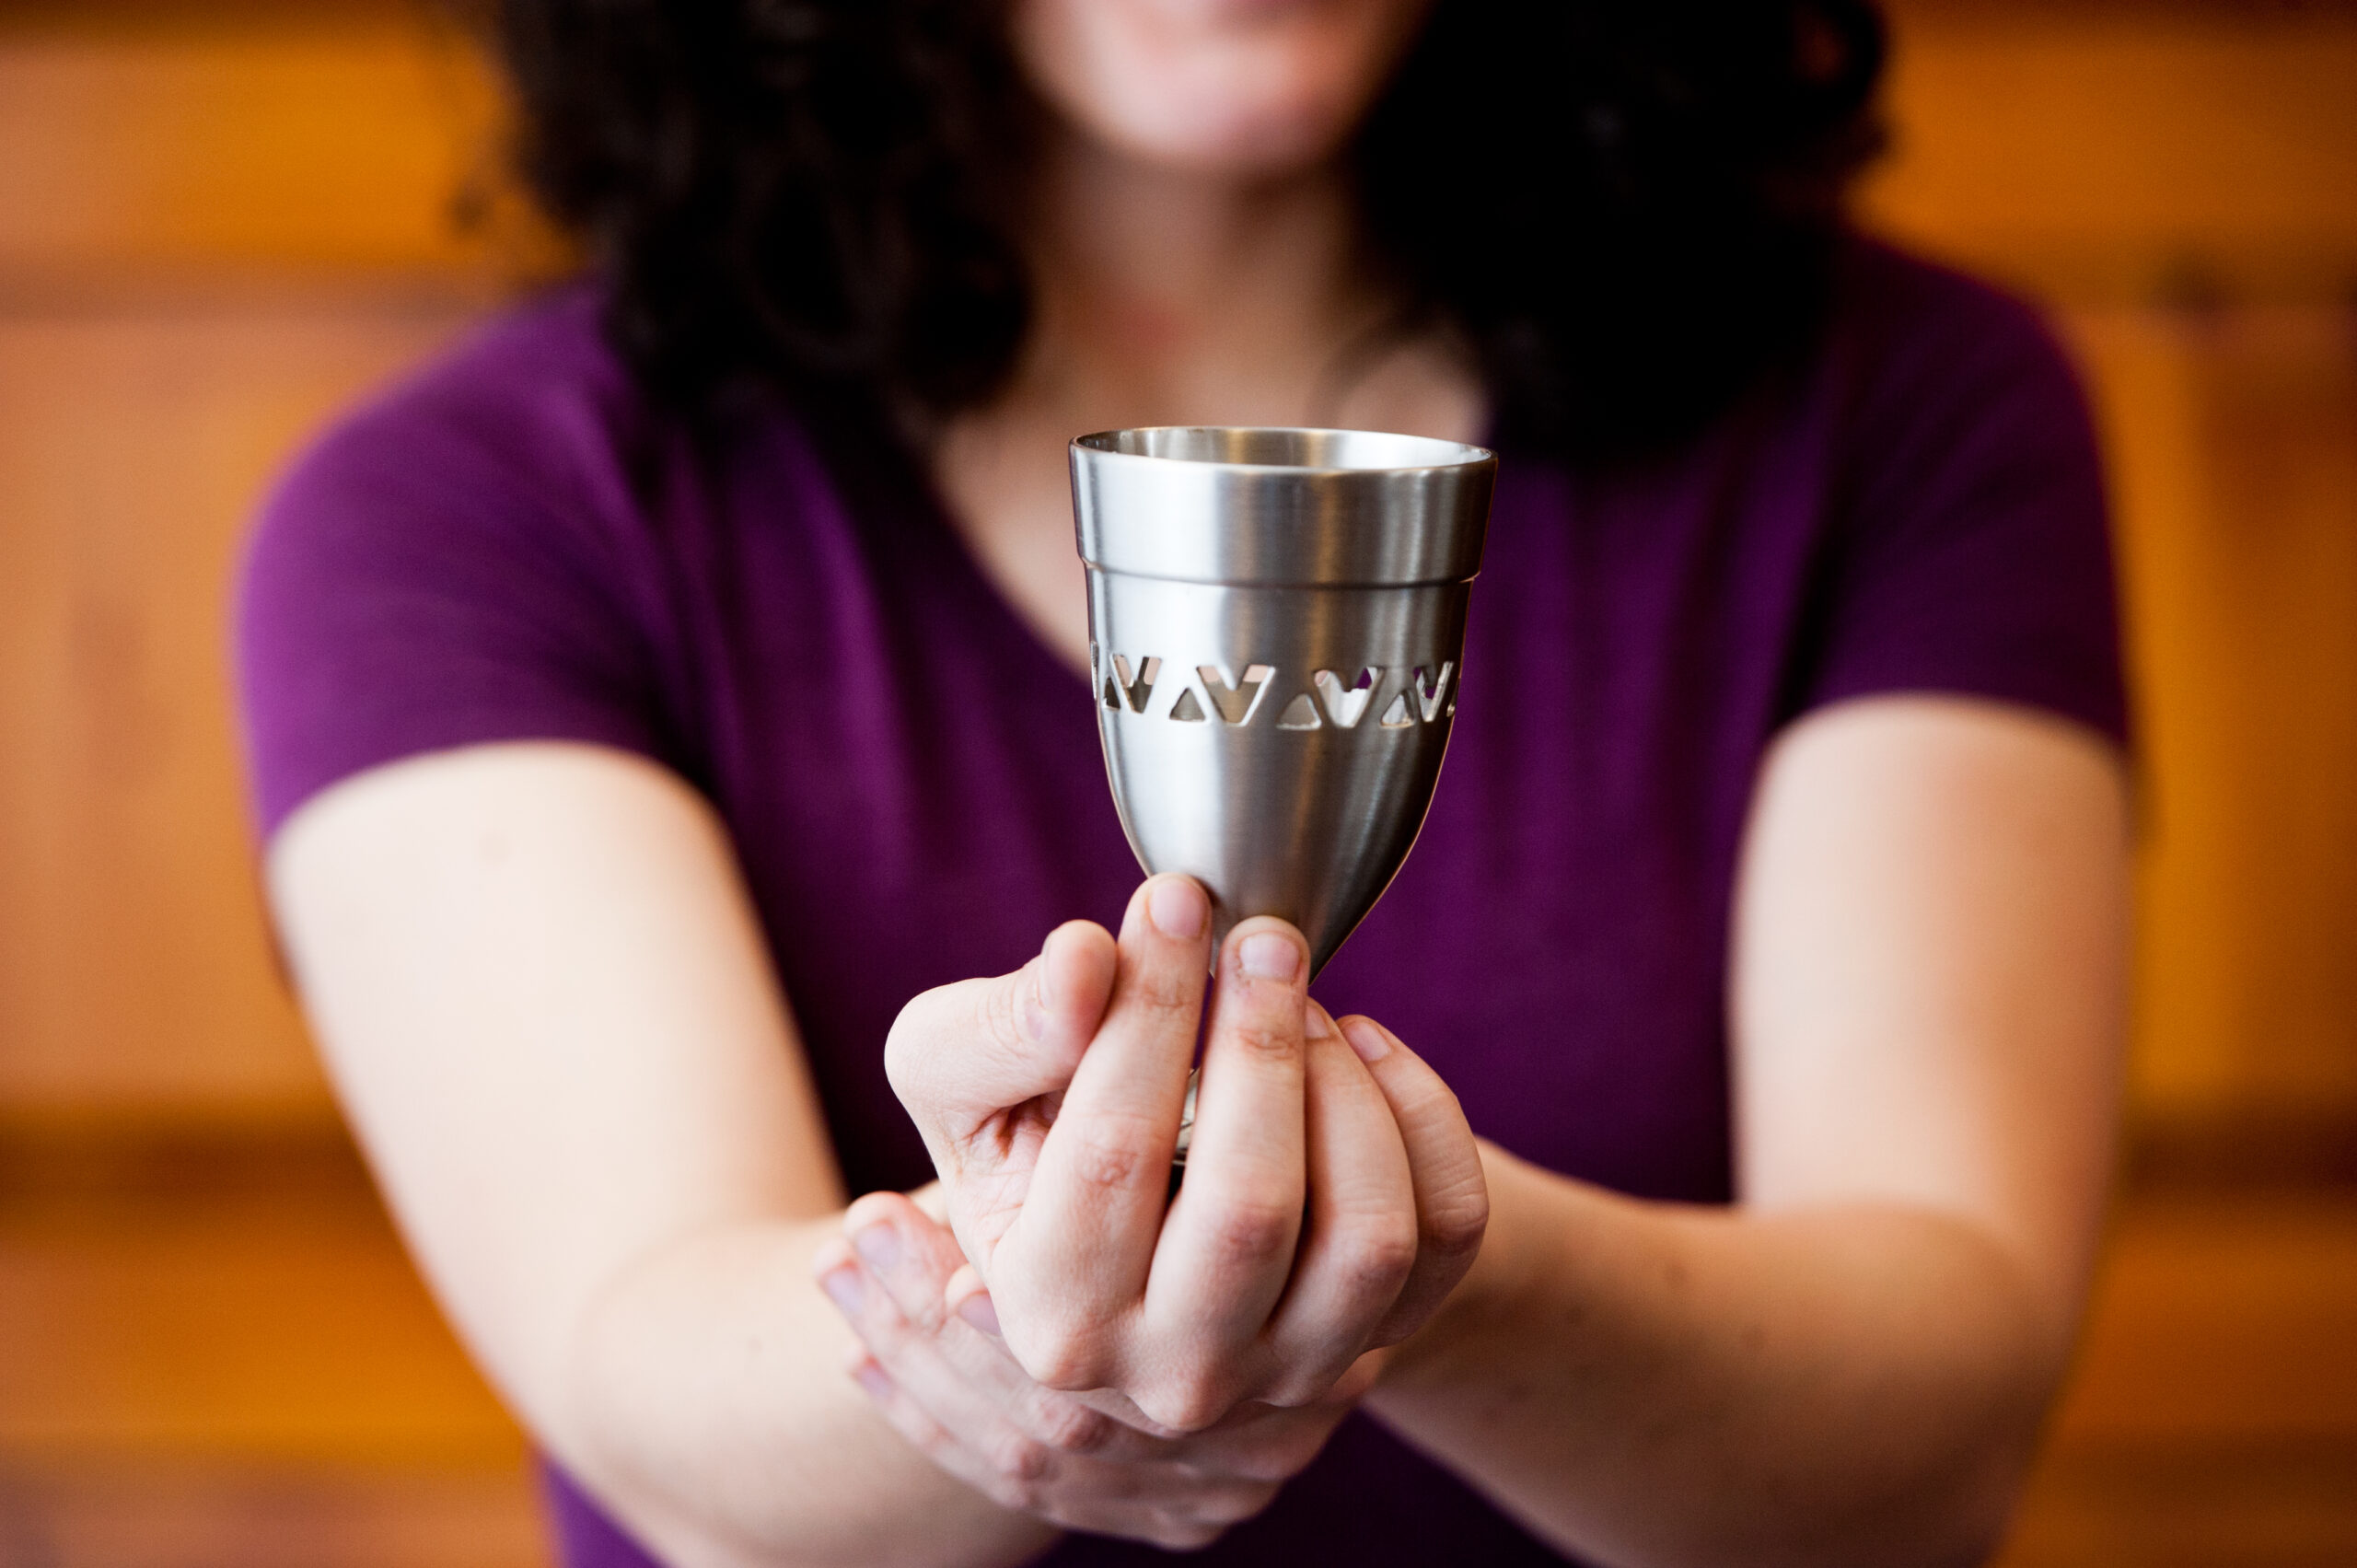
(135, 974)
(369, 151)
(2233, 440)
(2128, 154)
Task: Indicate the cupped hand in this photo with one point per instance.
(931, 1359)
(1334, 1193)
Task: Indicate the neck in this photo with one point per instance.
(1167, 296)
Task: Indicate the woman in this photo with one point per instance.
(680, 692)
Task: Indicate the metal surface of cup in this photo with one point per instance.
(1277, 620)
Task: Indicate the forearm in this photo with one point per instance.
(1671, 1386)
(707, 1401)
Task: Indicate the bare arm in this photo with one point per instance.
(542, 994)
(1851, 1366)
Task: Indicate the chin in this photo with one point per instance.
(1253, 139)
(1238, 87)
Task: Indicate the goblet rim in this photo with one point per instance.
(1447, 456)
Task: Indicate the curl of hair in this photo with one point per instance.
(1625, 209)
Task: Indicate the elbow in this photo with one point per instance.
(1953, 1504)
(1931, 1476)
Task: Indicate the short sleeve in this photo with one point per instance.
(1973, 554)
(439, 571)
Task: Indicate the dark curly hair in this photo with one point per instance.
(1641, 197)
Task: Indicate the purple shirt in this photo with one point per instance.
(512, 545)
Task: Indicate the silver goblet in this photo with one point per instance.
(1277, 621)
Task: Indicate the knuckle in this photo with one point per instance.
(1015, 1496)
(1105, 1154)
(1454, 1227)
(1382, 1253)
(1265, 1038)
(1067, 1363)
(1018, 1460)
(1251, 1235)
(1173, 990)
(1070, 1427)
(1183, 1408)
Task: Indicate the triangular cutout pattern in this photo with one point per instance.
(1136, 690)
(1300, 713)
(1234, 700)
(1396, 716)
(1347, 705)
(1432, 695)
(1187, 709)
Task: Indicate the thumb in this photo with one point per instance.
(959, 1055)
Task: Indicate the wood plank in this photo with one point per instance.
(221, 1344)
(2124, 156)
(214, 1351)
(238, 1299)
(2221, 1320)
(134, 969)
(2190, 1505)
(370, 148)
(2092, 151)
(2232, 439)
(211, 1515)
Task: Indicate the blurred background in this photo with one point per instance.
(219, 219)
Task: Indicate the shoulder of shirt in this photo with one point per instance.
(1907, 318)
(533, 407)
(535, 395)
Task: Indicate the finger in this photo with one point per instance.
(906, 1252)
(1444, 1162)
(1159, 1501)
(958, 1398)
(959, 1054)
(938, 1294)
(1228, 1247)
(1069, 1270)
(1361, 1241)
(1259, 1442)
(978, 1440)
(907, 1415)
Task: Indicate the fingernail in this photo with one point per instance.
(980, 1314)
(1368, 1039)
(1267, 956)
(872, 1377)
(1316, 1024)
(880, 1245)
(1178, 908)
(843, 1288)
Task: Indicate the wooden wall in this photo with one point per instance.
(2178, 181)
(217, 224)
(219, 221)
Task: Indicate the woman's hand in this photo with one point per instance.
(1334, 1194)
(935, 1365)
